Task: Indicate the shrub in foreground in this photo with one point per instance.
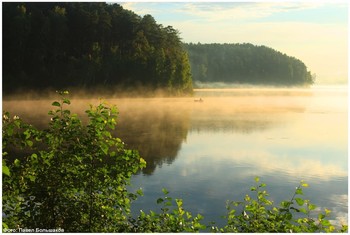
(255, 214)
(259, 214)
(73, 176)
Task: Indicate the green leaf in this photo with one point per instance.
(47, 162)
(139, 192)
(299, 191)
(179, 202)
(288, 215)
(200, 217)
(142, 162)
(326, 223)
(168, 203)
(56, 104)
(104, 148)
(321, 216)
(27, 134)
(4, 225)
(32, 178)
(311, 207)
(303, 210)
(34, 156)
(160, 200)
(300, 201)
(66, 101)
(66, 112)
(17, 162)
(153, 214)
(331, 228)
(5, 170)
(165, 191)
(29, 143)
(257, 179)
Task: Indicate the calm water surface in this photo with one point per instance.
(219, 145)
(208, 152)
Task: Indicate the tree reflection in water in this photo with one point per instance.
(157, 127)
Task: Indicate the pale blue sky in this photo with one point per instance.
(314, 31)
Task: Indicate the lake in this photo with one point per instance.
(209, 152)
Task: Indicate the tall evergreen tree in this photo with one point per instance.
(61, 45)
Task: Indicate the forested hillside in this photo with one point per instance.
(62, 44)
(247, 64)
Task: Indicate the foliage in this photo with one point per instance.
(245, 63)
(80, 44)
(75, 175)
(172, 218)
(260, 215)
(253, 215)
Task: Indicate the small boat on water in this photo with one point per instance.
(198, 100)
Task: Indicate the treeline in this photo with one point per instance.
(247, 64)
(60, 45)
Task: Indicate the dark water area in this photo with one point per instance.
(209, 152)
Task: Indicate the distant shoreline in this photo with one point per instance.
(216, 86)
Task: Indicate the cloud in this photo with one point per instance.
(339, 209)
(217, 12)
(141, 8)
(214, 11)
(259, 162)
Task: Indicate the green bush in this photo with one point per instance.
(258, 214)
(73, 177)
(173, 218)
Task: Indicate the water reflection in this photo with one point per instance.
(263, 127)
(156, 128)
(282, 139)
(208, 152)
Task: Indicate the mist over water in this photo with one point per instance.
(210, 151)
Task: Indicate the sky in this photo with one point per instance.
(316, 32)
